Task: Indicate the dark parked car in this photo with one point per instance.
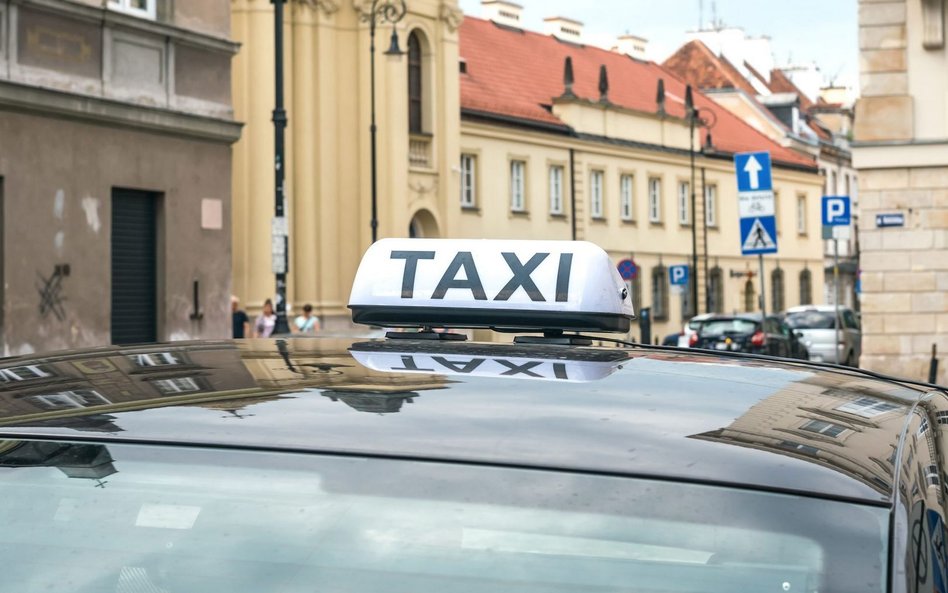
(426, 462)
(749, 333)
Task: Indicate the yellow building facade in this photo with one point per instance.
(613, 173)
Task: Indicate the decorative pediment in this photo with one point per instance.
(327, 6)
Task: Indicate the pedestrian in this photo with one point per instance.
(240, 320)
(265, 322)
(307, 323)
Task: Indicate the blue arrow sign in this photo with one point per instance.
(753, 171)
(758, 235)
(678, 275)
(836, 211)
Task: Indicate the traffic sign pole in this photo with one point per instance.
(763, 295)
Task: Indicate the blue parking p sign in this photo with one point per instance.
(836, 211)
(678, 275)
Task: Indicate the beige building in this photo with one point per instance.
(115, 154)
(500, 145)
(901, 152)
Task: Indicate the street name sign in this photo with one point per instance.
(894, 219)
(756, 203)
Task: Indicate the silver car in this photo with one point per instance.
(818, 332)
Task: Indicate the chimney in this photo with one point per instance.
(564, 29)
(502, 12)
(632, 45)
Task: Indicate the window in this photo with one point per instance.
(468, 187)
(595, 194)
(793, 446)
(716, 290)
(801, 214)
(626, 204)
(659, 292)
(806, 287)
(711, 205)
(654, 199)
(155, 359)
(825, 428)
(23, 373)
(684, 212)
(778, 302)
(179, 385)
(750, 296)
(831, 184)
(517, 186)
(556, 190)
(868, 407)
(143, 8)
(415, 113)
(77, 398)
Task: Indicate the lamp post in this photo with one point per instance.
(382, 11)
(692, 114)
(279, 229)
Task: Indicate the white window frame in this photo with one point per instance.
(868, 407)
(556, 189)
(711, 205)
(801, 214)
(684, 198)
(627, 197)
(468, 180)
(155, 359)
(595, 193)
(149, 12)
(77, 398)
(518, 186)
(176, 385)
(23, 373)
(654, 199)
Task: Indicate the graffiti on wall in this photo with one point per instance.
(51, 292)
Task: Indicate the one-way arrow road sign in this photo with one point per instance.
(753, 171)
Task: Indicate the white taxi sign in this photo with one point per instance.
(496, 364)
(543, 285)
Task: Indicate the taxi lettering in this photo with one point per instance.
(467, 366)
(464, 260)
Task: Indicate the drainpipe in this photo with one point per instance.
(572, 189)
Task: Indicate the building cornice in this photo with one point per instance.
(35, 100)
(100, 14)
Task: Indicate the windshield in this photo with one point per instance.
(721, 327)
(86, 518)
(810, 320)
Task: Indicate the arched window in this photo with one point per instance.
(660, 292)
(415, 82)
(777, 291)
(750, 296)
(806, 287)
(716, 290)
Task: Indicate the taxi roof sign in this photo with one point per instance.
(471, 283)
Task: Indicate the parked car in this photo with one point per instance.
(816, 324)
(691, 328)
(749, 333)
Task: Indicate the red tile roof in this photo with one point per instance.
(781, 83)
(696, 64)
(513, 73)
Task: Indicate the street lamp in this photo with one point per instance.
(382, 11)
(692, 114)
(279, 228)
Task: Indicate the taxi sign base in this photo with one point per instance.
(426, 335)
(557, 340)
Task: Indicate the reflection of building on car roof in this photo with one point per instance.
(427, 459)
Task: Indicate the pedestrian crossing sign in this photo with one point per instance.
(758, 235)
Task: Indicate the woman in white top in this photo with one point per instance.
(265, 322)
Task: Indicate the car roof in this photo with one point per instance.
(667, 413)
(820, 308)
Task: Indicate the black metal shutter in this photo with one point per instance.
(134, 267)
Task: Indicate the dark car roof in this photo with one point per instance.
(673, 414)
